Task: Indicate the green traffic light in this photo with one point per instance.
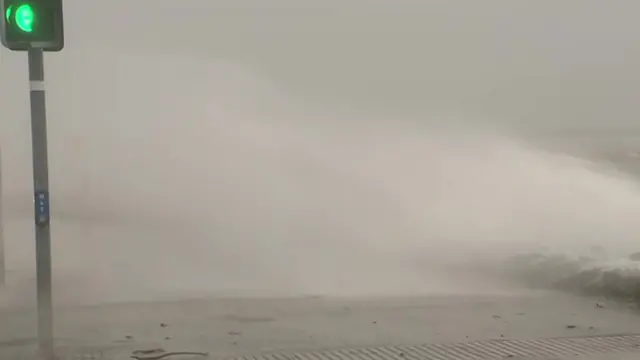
(8, 12)
(32, 24)
(25, 18)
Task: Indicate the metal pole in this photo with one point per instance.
(41, 202)
(3, 269)
(3, 263)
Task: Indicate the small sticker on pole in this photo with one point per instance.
(42, 207)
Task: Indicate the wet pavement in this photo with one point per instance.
(234, 327)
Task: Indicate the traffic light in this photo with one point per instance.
(28, 24)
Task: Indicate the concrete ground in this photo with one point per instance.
(232, 327)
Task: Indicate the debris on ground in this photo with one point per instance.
(149, 351)
(158, 353)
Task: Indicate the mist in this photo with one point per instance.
(238, 149)
(217, 183)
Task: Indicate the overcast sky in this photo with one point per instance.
(555, 65)
(547, 62)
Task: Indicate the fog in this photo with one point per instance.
(182, 175)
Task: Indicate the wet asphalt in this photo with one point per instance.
(233, 327)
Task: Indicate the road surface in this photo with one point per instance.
(234, 327)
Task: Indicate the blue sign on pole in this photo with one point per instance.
(42, 207)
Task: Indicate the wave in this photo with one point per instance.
(596, 275)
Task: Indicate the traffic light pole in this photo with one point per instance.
(41, 202)
(3, 268)
(3, 262)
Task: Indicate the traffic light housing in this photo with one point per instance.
(32, 24)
